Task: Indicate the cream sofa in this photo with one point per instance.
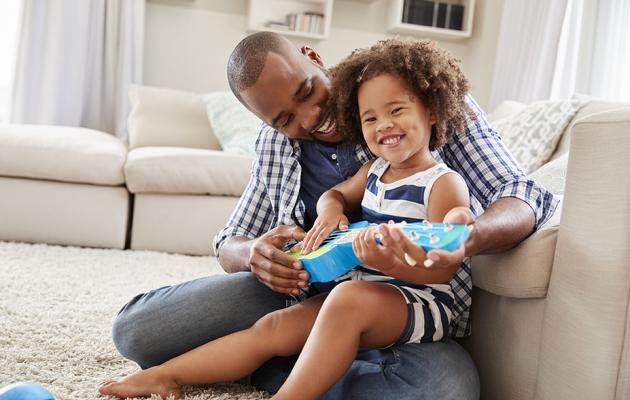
(550, 317)
(184, 187)
(62, 185)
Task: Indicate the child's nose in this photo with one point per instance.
(384, 126)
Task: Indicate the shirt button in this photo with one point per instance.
(334, 156)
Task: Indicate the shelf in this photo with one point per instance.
(396, 17)
(311, 21)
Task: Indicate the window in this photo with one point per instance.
(594, 50)
(9, 18)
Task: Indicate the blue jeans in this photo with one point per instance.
(163, 323)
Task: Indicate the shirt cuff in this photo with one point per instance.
(542, 202)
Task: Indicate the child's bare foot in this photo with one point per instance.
(141, 384)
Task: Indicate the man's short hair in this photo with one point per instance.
(248, 59)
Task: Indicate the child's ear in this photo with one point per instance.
(432, 118)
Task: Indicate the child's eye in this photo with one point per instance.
(397, 110)
(369, 120)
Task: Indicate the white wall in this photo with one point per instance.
(187, 42)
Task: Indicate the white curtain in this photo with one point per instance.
(527, 49)
(75, 61)
(594, 52)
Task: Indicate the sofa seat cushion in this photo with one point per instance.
(61, 153)
(180, 170)
(524, 271)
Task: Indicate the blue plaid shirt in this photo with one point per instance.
(478, 155)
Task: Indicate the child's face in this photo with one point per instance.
(396, 125)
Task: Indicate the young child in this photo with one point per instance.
(406, 98)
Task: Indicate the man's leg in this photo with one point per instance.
(227, 358)
(166, 322)
(441, 370)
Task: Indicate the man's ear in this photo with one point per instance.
(312, 55)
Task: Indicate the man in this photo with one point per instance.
(300, 154)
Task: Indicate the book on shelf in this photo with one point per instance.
(308, 22)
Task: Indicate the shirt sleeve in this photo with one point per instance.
(253, 214)
(490, 170)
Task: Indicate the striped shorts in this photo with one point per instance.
(429, 307)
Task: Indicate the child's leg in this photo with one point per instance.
(281, 333)
(355, 313)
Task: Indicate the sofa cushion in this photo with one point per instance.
(181, 170)
(524, 271)
(553, 174)
(60, 153)
(234, 126)
(166, 117)
(532, 134)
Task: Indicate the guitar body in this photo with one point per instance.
(335, 257)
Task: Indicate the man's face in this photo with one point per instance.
(291, 95)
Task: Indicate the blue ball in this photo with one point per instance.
(25, 391)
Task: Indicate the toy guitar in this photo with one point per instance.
(335, 256)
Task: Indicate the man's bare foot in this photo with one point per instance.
(141, 384)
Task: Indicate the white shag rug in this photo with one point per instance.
(56, 310)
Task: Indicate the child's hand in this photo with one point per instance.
(413, 254)
(382, 256)
(323, 226)
(453, 259)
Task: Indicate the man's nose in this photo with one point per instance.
(309, 117)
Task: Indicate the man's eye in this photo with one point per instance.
(288, 121)
(308, 93)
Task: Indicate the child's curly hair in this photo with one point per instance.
(431, 74)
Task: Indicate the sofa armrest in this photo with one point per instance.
(522, 272)
(584, 348)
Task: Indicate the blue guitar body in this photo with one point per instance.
(335, 256)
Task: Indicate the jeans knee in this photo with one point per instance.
(127, 339)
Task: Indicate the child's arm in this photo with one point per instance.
(447, 192)
(332, 206)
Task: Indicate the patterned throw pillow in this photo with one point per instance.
(533, 133)
(234, 126)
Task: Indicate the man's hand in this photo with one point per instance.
(322, 227)
(272, 266)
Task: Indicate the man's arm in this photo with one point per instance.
(515, 206)
(247, 243)
(506, 223)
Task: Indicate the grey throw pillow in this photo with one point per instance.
(533, 133)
